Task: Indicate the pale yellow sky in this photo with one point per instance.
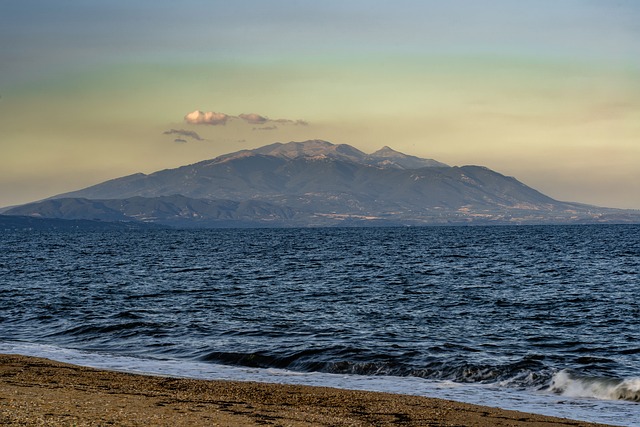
(559, 113)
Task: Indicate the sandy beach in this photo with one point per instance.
(40, 392)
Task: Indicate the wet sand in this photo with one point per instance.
(40, 392)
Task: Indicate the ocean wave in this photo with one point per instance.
(526, 373)
(261, 360)
(529, 372)
(570, 384)
(117, 329)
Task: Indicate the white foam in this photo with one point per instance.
(566, 384)
(546, 403)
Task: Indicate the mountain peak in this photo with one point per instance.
(388, 157)
(315, 148)
(385, 151)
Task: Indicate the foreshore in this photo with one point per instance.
(41, 392)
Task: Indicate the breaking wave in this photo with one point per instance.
(567, 383)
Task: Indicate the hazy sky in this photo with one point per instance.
(547, 91)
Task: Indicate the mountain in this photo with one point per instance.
(317, 183)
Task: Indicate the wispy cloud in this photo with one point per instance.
(291, 122)
(183, 132)
(266, 128)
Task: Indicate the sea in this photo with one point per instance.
(542, 319)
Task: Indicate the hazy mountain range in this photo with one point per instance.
(317, 183)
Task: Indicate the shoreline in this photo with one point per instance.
(37, 391)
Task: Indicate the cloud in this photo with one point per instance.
(209, 118)
(179, 141)
(266, 128)
(291, 122)
(254, 119)
(257, 119)
(182, 132)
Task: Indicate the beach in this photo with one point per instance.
(41, 392)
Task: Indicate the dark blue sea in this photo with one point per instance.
(542, 319)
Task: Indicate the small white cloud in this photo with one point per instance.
(254, 119)
(206, 118)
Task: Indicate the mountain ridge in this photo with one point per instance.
(319, 149)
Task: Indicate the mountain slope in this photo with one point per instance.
(166, 210)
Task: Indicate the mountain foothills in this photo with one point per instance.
(317, 183)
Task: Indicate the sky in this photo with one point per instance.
(547, 91)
